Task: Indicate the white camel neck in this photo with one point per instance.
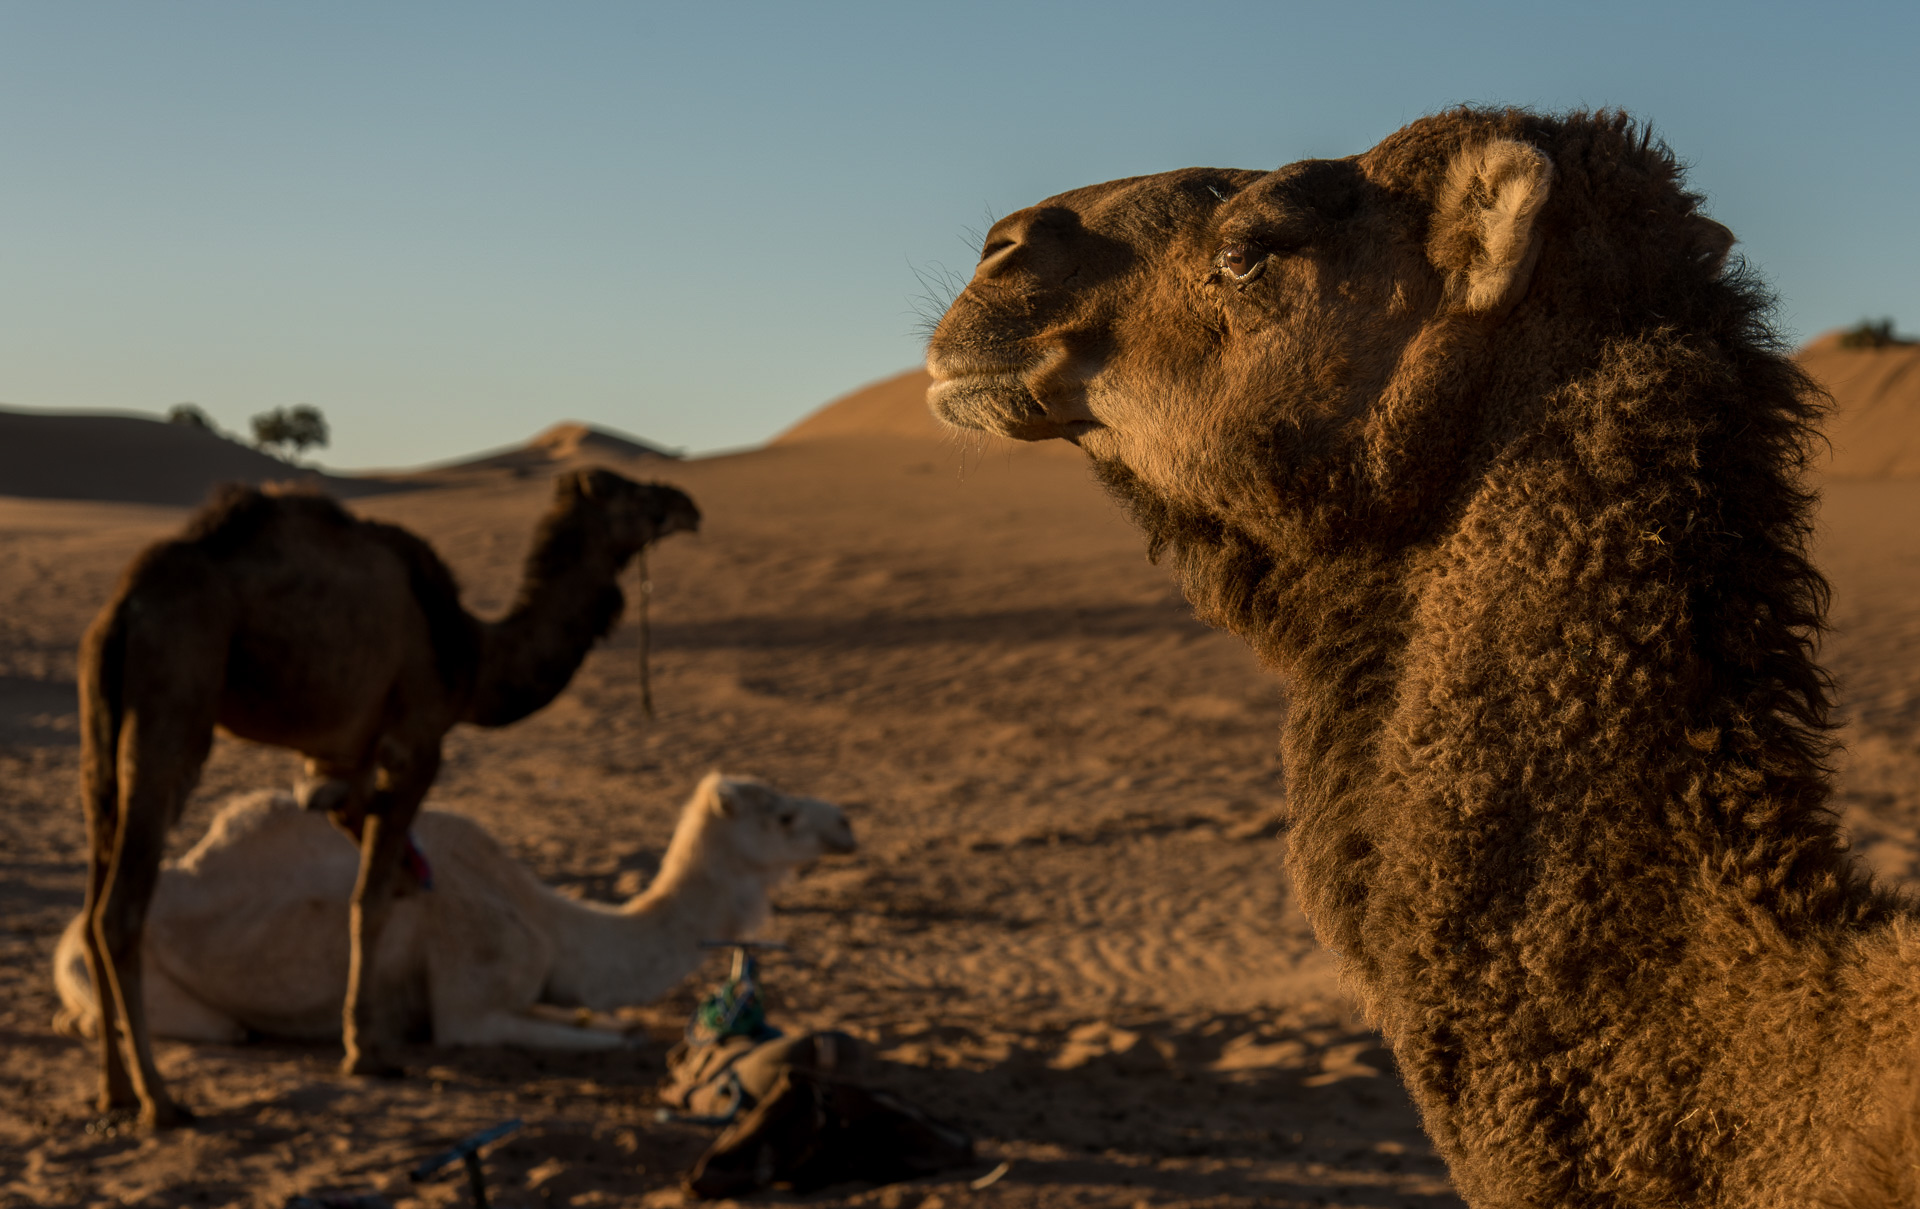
(608, 956)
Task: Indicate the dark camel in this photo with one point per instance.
(285, 620)
(1479, 440)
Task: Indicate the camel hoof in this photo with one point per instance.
(370, 1066)
(163, 1115)
(121, 1119)
(117, 1099)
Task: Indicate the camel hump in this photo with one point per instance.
(235, 520)
(238, 515)
(235, 514)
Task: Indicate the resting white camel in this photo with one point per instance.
(248, 932)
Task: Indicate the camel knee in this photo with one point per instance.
(116, 938)
(329, 795)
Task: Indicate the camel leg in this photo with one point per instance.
(340, 790)
(389, 816)
(118, 927)
(381, 842)
(161, 749)
(116, 1088)
(528, 1031)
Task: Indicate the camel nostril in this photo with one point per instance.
(996, 256)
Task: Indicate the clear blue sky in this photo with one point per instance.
(449, 225)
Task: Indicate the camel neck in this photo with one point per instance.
(708, 886)
(1557, 782)
(1336, 628)
(568, 600)
(607, 957)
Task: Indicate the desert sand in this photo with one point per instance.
(1068, 928)
(1875, 429)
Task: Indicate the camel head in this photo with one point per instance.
(1333, 340)
(769, 829)
(631, 514)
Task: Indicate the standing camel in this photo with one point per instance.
(1479, 440)
(283, 619)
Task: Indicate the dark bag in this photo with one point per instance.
(810, 1130)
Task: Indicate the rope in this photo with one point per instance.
(646, 636)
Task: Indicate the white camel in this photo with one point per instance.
(247, 933)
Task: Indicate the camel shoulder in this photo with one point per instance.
(454, 632)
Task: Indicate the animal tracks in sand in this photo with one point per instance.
(1126, 913)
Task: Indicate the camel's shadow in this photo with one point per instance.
(1225, 1107)
(36, 713)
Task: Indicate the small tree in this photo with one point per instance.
(292, 428)
(1872, 333)
(189, 415)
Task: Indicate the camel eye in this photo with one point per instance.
(1240, 263)
(787, 818)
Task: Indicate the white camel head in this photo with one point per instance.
(769, 829)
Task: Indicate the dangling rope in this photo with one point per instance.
(646, 636)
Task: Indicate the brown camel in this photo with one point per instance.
(285, 620)
(1479, 440)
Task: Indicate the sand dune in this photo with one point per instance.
(894, 407)
(569, 443)
(137, 459)
(1875, 426)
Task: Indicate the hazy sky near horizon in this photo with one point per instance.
(450, 225)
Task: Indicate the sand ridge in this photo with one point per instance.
(1874, 430)
(140, 459)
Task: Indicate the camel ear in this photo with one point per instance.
(733, 796)
(1483, 235)
(1713, 243)
(711, 795)
(599, 483)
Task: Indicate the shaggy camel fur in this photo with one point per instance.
(1478, 439)
(285, 620)
(247, 932)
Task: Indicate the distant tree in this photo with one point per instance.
(189, 415)
(1872, 333)
(292, 428)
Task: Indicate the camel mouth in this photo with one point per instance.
(995, 401)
